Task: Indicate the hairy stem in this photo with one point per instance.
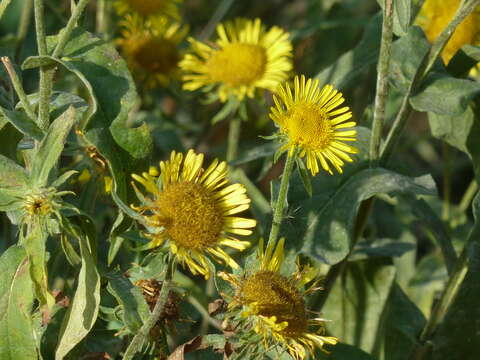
(17, 85)
(382, 81)
(233, 137)
(281, 199)
(139, 339)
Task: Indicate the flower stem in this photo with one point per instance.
(142, 334)
(45, 78)
(282, 198)
(468, 196)
(465, 9)
(233, 137)
(17, 85)
(382, 81)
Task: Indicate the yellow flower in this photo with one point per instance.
(150, 48)
(194, 210)
(148, 8)
(307, 119)
(245, 57)
(274, 307)
(435, 16)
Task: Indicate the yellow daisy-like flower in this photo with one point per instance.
(194, 210)
(435, 16)
(150, 48)
(148, 8)
(308, 120)
(245, 57)
(274, 307)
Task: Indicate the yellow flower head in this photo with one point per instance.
(148, 8)
(193, 209)
(150, 48)
(245, 57)
(309, 120)
(274, 306)
(435, 16)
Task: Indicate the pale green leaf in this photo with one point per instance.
(17, 341)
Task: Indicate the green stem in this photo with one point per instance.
(465, 9)
(233, 137)
(72, 23)
(103, 17)
(45, 78)
(23, 26)
(447, 183)
(282, 198)
(17, 85)
(142, 334)
(382, 81)
(217, 16)
(468, 196)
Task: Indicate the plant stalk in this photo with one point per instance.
(139, 339)
(465, 9)
(468, 196)
(233, 137)
(17, 85)
(382, 82)
(281, 199)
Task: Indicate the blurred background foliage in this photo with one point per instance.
(396, 272)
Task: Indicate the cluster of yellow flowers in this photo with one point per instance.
(189, 206)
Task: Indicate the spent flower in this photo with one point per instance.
(273, 305)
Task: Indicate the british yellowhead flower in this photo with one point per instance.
(245, 57)
(151, 48)
(435, 16)
(310, 120)
(194, 210)
(148, 8)
(273, 305)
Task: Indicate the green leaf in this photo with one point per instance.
(83, 311)
(380, 247)
(402, 14)
(130, 297)
(22, 123)
(258, 152)
(343, 351)
(229, 108)
(35, 246)
(51, 147)
(444, 95)
(11, 174)
(357, 302)
(406, 57)
(326, 221)
(464, 60)
(461, 131)
(355, 62)
(458, 336)
(403, 322)
(3, 6)
(17, 341)
(305, 176)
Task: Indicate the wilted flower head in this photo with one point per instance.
(245, 57)
(309, 119)
(273, 305)
(192, 208)
(151, 48)
(148, 8)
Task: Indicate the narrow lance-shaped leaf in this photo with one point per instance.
(16, 298)
(83, 311)
(22, 123)
(50, 149)
(34, 243)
